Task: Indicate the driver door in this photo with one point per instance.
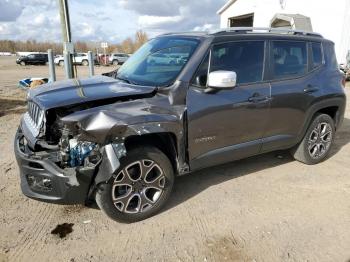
(225, 125)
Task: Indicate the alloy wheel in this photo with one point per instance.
(320, 140)
(138, 186)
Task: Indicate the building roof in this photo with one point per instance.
(225, 6)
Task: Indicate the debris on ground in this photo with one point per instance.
(32, 82)
(37, 82)
(63, 229)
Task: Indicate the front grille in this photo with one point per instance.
(35, 113)
(34, 118)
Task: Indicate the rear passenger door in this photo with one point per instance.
(294, 87)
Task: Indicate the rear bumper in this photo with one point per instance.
(43, 180)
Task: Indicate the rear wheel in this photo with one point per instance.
(139, 188)
(85, 62)
(115, 62)
(317, 142)
(61, 63)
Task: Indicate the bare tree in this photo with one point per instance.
(140, 38)
(129, 45)
(81, 46)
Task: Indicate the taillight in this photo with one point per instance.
(343, 81)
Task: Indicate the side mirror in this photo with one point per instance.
(222, 79)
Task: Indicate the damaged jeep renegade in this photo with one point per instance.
(182, 102)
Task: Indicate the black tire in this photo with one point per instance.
(303, 152)
(61, 63)
(105, 191)
(23, 63)
(115, 62)
(85, 62)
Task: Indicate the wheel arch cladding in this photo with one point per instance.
(332, 111)
(334, 107)
(111, 153)
(164, 141)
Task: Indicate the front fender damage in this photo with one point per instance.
(110, 126)
(111, 154)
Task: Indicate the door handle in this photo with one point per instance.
(256, 98)
(310, 89)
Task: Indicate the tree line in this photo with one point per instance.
(129, 45)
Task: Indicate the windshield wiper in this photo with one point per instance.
(126, 80)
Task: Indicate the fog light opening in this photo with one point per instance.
(37, 183)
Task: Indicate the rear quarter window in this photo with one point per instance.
(329, 54)
(317, 55)
(289, 59)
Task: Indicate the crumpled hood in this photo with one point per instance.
(77, 91)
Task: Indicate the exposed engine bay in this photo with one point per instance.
(65, 143)
(73, 152)
(58, 140)
(74, 134)
(76, 153)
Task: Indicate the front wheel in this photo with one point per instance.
(139, 188)
(85, 62)
(23, 63)
(115, 62)
(317, 142)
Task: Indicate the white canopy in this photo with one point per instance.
(293, 21)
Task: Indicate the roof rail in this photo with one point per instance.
(185, 32)
(265, 30)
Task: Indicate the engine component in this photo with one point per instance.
(79, 151)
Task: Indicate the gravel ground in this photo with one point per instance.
(265, 208)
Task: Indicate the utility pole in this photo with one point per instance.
(68, 47)
(52, 71)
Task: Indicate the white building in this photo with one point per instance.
(330, 18)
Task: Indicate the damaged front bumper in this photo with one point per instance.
(43, 180)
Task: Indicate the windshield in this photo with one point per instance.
(158, 62)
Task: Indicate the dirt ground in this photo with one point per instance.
(265, 208)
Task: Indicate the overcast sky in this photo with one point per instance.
(107, 20)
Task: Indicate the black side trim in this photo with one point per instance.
(226, 154)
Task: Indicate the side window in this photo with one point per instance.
(289, 59)
(246, 58)
(317, 55)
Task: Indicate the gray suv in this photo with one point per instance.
(121, 139)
